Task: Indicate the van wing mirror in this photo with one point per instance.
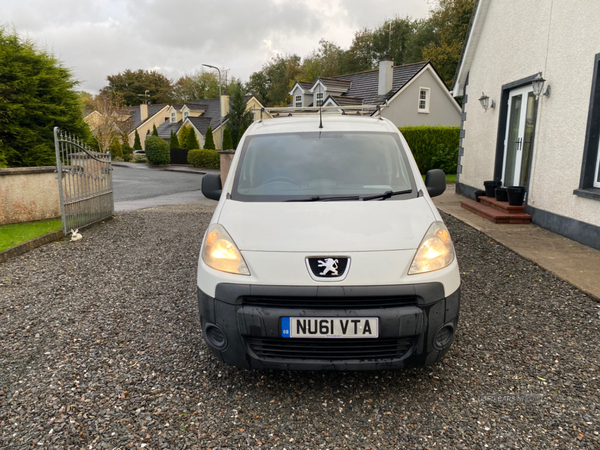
(211, 186)
(435, 181)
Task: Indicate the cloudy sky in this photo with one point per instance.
(104, 37)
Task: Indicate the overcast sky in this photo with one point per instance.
(105, 37)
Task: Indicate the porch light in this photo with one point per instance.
(485, 102)
(538, 85)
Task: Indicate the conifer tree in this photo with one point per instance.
(154, 130)
(183, 133)
(227, 141)
(137, 144)
(115, 148)
(174, 142)
(191, 142)
(209, 142)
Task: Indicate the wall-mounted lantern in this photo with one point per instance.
(485, 102)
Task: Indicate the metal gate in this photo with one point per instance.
(84, 182)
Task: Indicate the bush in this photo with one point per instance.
(137, 145)
(433, 147)
(115, 148)
(209, 142)
(191, 142)
(126, 157)
(207, 159)
(139, 159)
(157, 150)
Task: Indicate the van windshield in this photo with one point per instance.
(322, 166)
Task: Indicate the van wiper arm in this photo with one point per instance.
(318, 198)
(387, 194)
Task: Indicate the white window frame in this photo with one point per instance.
(425, 109)
(186, 114)
(319, 99)
(173, 117)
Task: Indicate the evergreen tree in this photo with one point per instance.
(126, 148)
(240, 135)
(174, 142)
(154, 131)
(227, 141)
(37, 93)
(183, 136)
(191, 142)
(137, 144)
(239, 116)
(209, 142)
(115, 148)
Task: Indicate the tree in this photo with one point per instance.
(137, 144)
(157, 150)
(209, 142)
(174, 142)
(326, 61)
(359, 57)
(191, 142)
(115, 148)
(132, 86)
(239, 116)
(258, 86)
(154, 131)
(227, 141)
(109, 122)
(126, 148)
(36, 94)
(183, 136)
(450, 21)
(196, 86)
(278, 76)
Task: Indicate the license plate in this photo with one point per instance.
(329, 327)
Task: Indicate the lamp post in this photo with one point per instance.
(220, 100)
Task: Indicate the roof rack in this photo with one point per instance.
(359, 110)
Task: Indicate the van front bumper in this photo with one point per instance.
(242, 325)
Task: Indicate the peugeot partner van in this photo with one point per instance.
(325, 251)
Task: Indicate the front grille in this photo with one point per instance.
(330, 302)
(329, 349)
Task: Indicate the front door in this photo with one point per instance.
(519, 135)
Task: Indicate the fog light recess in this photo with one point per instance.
(443, 336)
(215, 336)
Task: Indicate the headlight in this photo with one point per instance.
(221, 253)
(435, 252)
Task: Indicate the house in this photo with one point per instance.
(144, 117)
(547, 139)
(414, 93)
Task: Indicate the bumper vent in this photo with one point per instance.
(329, 302)
(329, 349)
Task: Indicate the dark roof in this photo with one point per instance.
(335, 83)
(213, 109)
(201, 123)
(305, 85)
(345, 100)
(164, 129)
(365, 84)
(136, 116)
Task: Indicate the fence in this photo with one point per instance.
(84, 182)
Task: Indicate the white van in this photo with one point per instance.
(325, 251)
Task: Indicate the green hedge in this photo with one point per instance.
(207, 159)
(157, 150)
(433, 147)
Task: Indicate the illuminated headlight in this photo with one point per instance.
(221, 253)
(435, 252)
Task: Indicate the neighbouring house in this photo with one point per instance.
(415, 94)
(545, 140)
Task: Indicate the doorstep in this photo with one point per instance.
(498, 212)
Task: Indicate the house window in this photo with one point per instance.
(173, 117)
(319, 99)
(589, 182)
(185, 114)
(298, 103)
(424, 100)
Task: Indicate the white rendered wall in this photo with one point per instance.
(518, 40)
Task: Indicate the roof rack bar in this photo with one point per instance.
(299, 110)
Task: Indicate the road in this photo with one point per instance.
(138, 188)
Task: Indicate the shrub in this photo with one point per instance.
(118, 159)
(126, 157)
(127, 150)
(137, 145)
(174, 142)
(209, 142)
(154, 131)
(191, 142)
(115, 148)
(227, 141)
(157, 150)
(183, 134)
(433, 147)
(139, 159)
(207, 159)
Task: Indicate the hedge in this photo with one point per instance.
(207, 159)
(433, 147)
(157, 150)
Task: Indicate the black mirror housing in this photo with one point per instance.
(435, 180)
(211, 186)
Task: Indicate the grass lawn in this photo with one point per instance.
(16, 233)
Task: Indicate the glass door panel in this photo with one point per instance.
(513, 142)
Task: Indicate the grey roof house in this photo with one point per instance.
(414, 94)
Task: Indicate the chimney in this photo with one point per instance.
(386, 75)
(224, 105)
(143, 111)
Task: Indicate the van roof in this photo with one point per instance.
(331, 122)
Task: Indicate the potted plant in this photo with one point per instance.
(516, 194)
(501, 194)
(490, 187)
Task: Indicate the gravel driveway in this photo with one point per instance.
(100, 348)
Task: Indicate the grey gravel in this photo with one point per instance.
(100, 348)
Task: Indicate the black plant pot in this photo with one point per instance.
(490, 187)
(479, 193)
(501, 194)
(516, 194)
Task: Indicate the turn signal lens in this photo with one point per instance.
(221, 253)
(435, 252)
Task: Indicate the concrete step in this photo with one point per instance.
(501, 206)
(494, 215)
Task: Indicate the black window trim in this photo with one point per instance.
(592, 139)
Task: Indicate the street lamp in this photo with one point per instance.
(220, 100)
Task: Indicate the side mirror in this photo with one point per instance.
(435, 180)
(211, 186)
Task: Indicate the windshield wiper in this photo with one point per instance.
(325, 199)
(387, 194)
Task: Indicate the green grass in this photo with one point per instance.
(16, 233)
(450, 178)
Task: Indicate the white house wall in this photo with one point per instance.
(518, 40)
(404, 109)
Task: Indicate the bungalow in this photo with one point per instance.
(529, 77)
(414, 93)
